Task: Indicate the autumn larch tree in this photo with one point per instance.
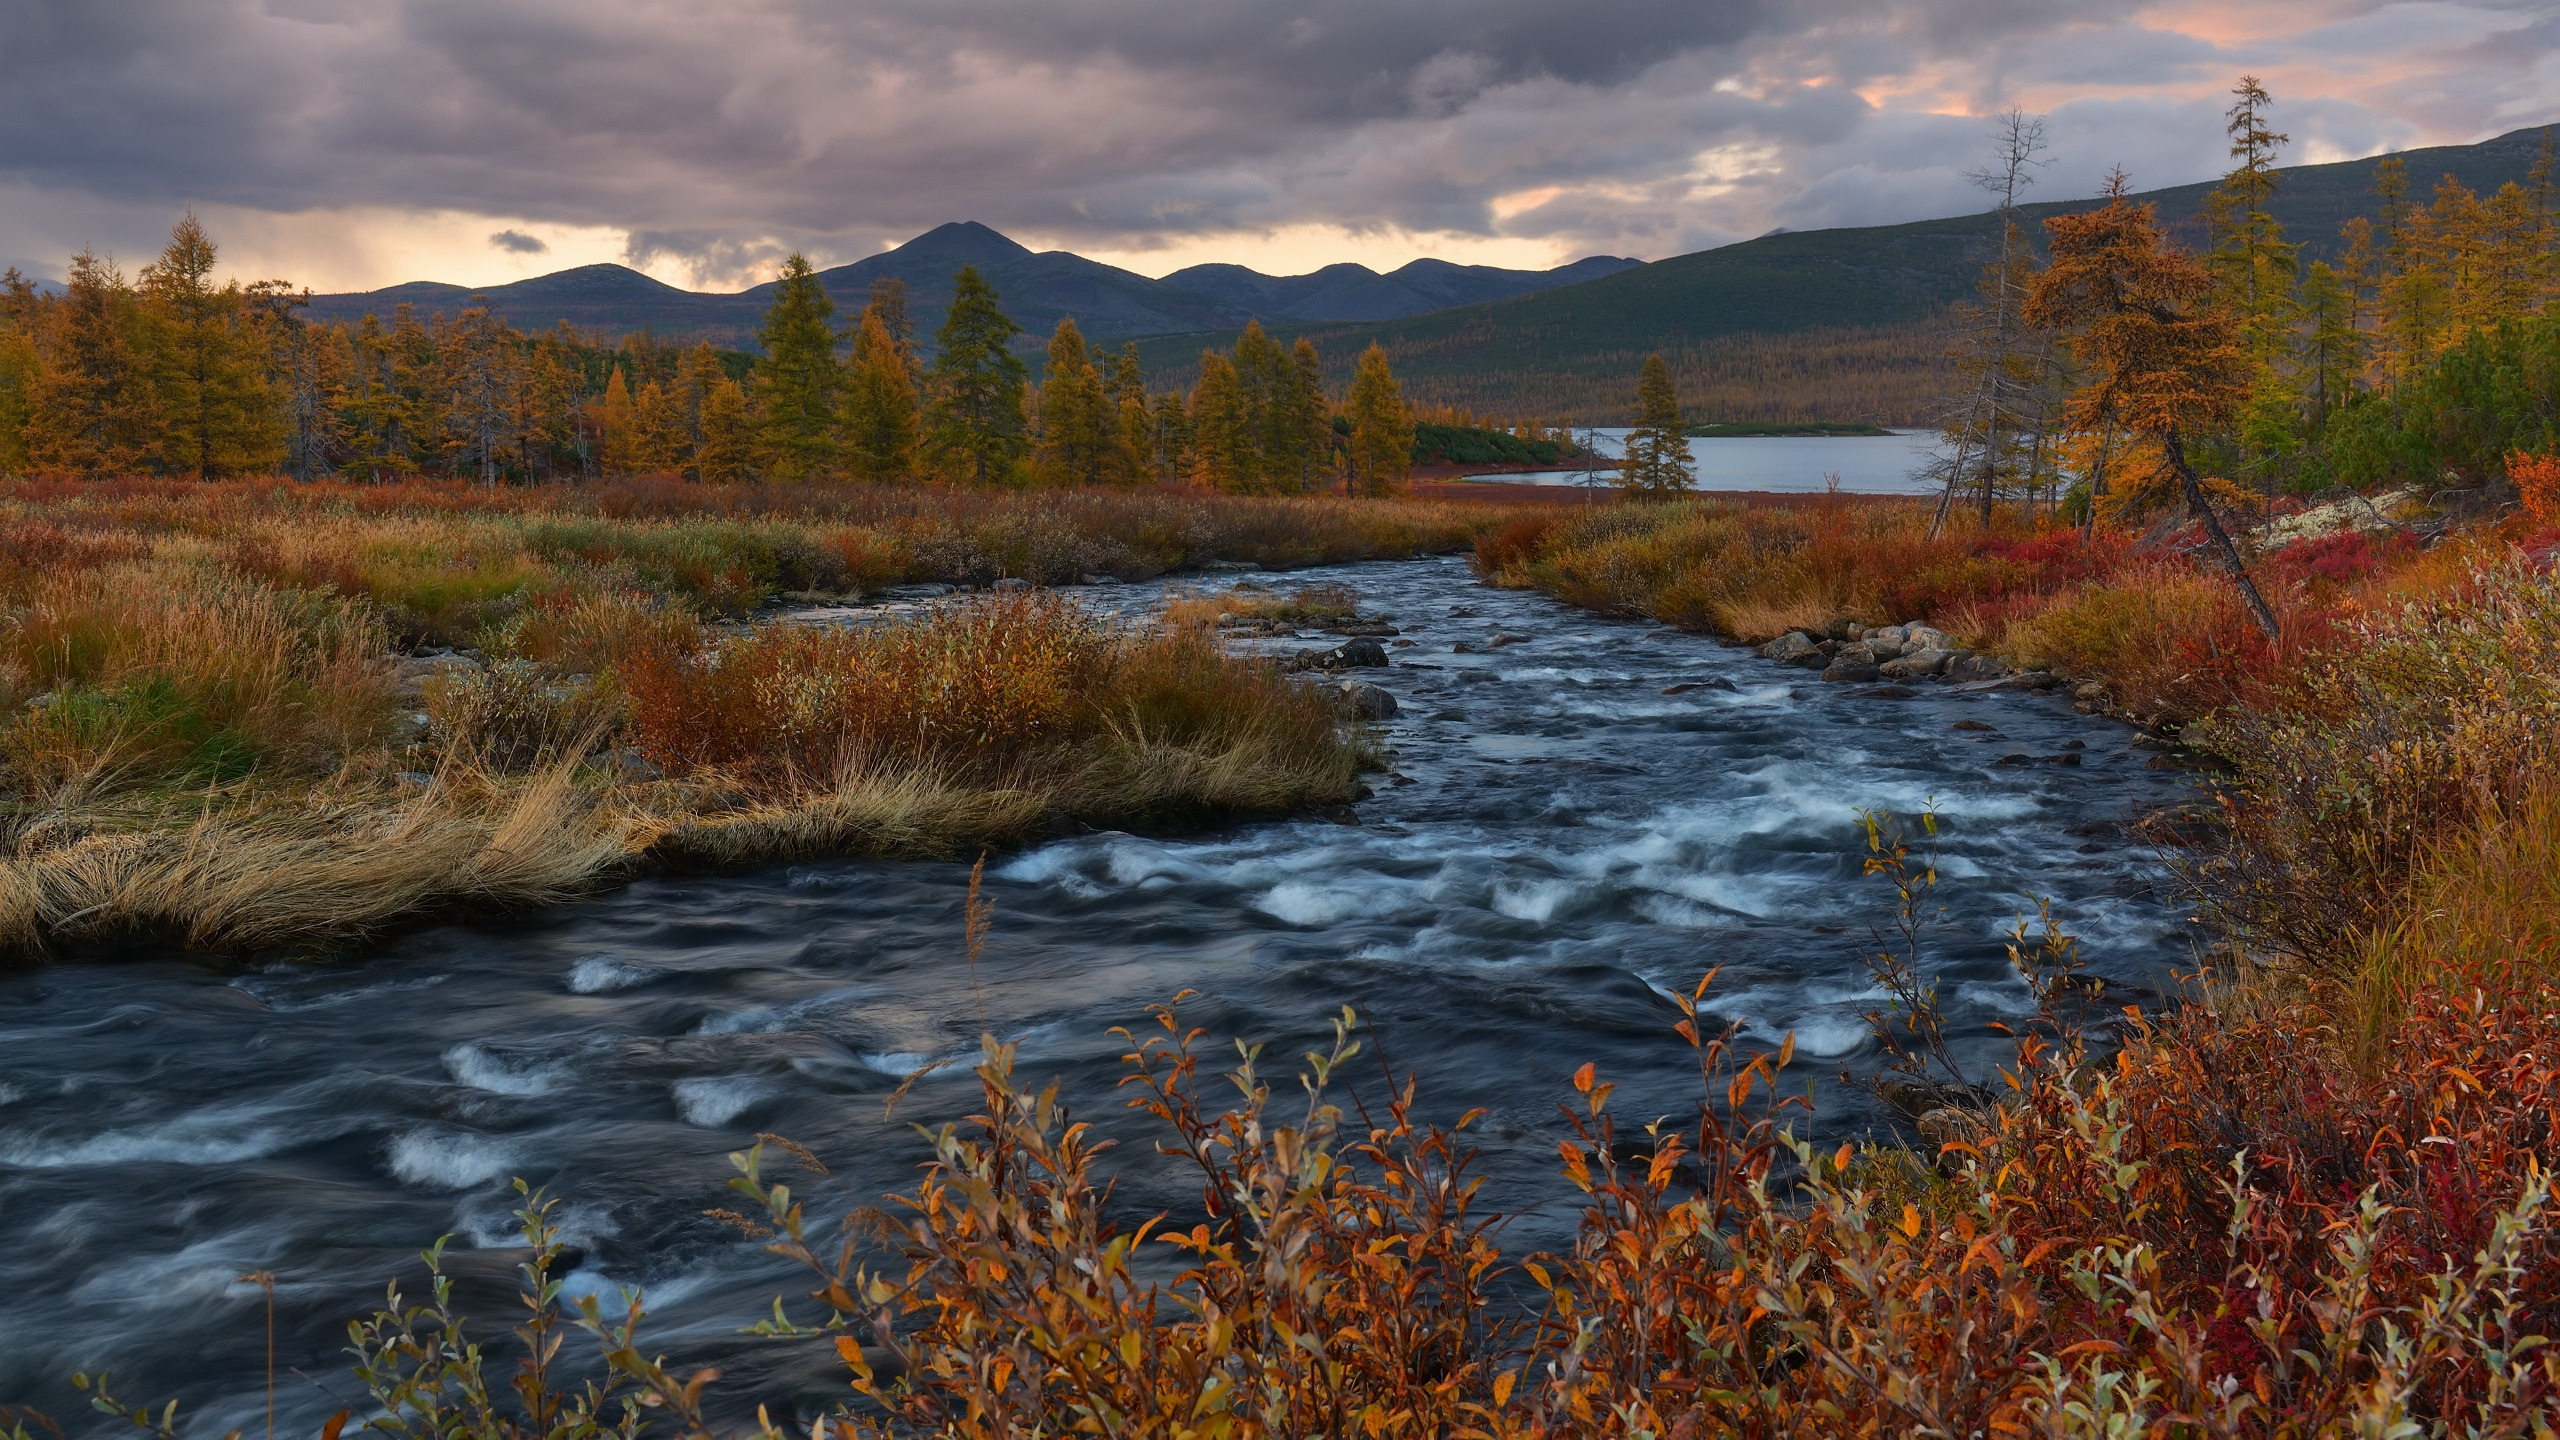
(482, 371)
(1134, 440)
(975, 430)
(1656, 464)
(18, 364)
(1078, 431)
(1381, 450)
(799, 383)
(880, 412)
(1221, 427)
(92, 409)
(212, 386)
(2254, 270)
(2161, 359)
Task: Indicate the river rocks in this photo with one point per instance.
(1349, 655)
(1894, 635)
(1849, 671)
(1916, 664)
(1360, 700)
(1975, 667)
(1505, 638)
(1685, 686)
(1789, 648)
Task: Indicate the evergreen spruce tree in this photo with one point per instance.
(974, 429)
(1656, 464)
(798, 383)
(880, 403)
(1077, 428)
(1381, 450)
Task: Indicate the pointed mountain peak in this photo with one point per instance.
(965, 241)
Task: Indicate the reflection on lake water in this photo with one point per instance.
(1866, 464)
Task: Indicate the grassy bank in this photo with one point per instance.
(256, 714)
(2312, 1201)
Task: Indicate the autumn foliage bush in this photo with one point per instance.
(2211, 1233)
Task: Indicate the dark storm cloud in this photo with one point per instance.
(723, 134)
(516, 242)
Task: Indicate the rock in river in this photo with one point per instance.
(1349, 655)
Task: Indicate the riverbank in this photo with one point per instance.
(259, 714)
(2225, 1208)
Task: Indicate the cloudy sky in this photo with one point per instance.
(349, 144)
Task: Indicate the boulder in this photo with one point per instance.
(1971, 666)
(1361, 700)
(1792, 646)
(1349, 655)
(1849, 671)
(1895, 636)
(1863, 653)
(1916, 664)
(1923, 637)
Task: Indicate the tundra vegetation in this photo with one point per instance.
(2312, 1200)
(244, 714)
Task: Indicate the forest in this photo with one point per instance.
(175, 372)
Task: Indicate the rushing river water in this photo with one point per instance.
(1560, 841)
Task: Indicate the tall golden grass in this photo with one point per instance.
(209, 732)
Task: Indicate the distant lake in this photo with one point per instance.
(1866, 464)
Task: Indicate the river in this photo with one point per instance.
(1560, 841)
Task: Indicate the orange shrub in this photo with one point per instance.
(2537, 482)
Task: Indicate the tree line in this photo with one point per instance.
(172, 372)
(2428, 347)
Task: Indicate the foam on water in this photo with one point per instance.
(472, 1065)
(225, 1135)
(712, 1102)
(604, 974)
(435, 1159)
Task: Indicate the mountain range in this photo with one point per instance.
(1805, 325)
(1037, 289)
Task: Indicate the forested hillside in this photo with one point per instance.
(1838, 322)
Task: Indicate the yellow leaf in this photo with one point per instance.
(1911, 1221)
(1502, 1387)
